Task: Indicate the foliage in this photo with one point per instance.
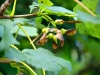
(12, 29)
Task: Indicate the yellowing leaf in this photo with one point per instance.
(46, 2)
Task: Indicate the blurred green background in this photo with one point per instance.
(82, 51)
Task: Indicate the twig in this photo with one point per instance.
(36, 38)
(27, 36)
(4, 6)
(72, 22)
(3, 60)
(17, 16)
(89, 11)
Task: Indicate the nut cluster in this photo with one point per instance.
(55, 34)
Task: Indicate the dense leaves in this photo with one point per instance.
(90, 23)
(40, 58)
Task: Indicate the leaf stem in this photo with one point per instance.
(43, 71)
(28, 68)
(14, 47)
(36, 37)
(85, 8)
(17, 33)
(27, 36)
(13, 11)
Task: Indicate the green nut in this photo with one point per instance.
(63, 31)
(45, 30)
(50, 35)
(55, 38)
(59, 21)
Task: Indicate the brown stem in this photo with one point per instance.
(17, 16)
(4, 6)
(4, 60)
(72, 22)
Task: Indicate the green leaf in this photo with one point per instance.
(34, 7)
(90, 26)
(27, 24)
(7, 39)
(98, 8)
(15, 55)
(38, 21)
(46, 2)
(88, 18)
(40, 58)
(91, 4)
(31, 31)
(7, 12)
(47, 18)
(58, 10)
(1, 31)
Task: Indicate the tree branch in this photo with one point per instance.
(4, 6)
(17, 16)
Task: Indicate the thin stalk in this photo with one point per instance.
(36, 37)
(13, 11)
(17, 33)
(28, 68)
(43, 71)
(14, 47)
(27, 36)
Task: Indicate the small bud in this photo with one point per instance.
(63, 31)
(59, 21)
(50, 36)
(45, 30)
(55, 38)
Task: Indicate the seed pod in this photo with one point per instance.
(71, 32)
(54, 45)
(59, 21)
(42, 40)
(63, 31)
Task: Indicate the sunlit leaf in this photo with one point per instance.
(38, 21)
(46, 2)
(90, 26)
(90, 4)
